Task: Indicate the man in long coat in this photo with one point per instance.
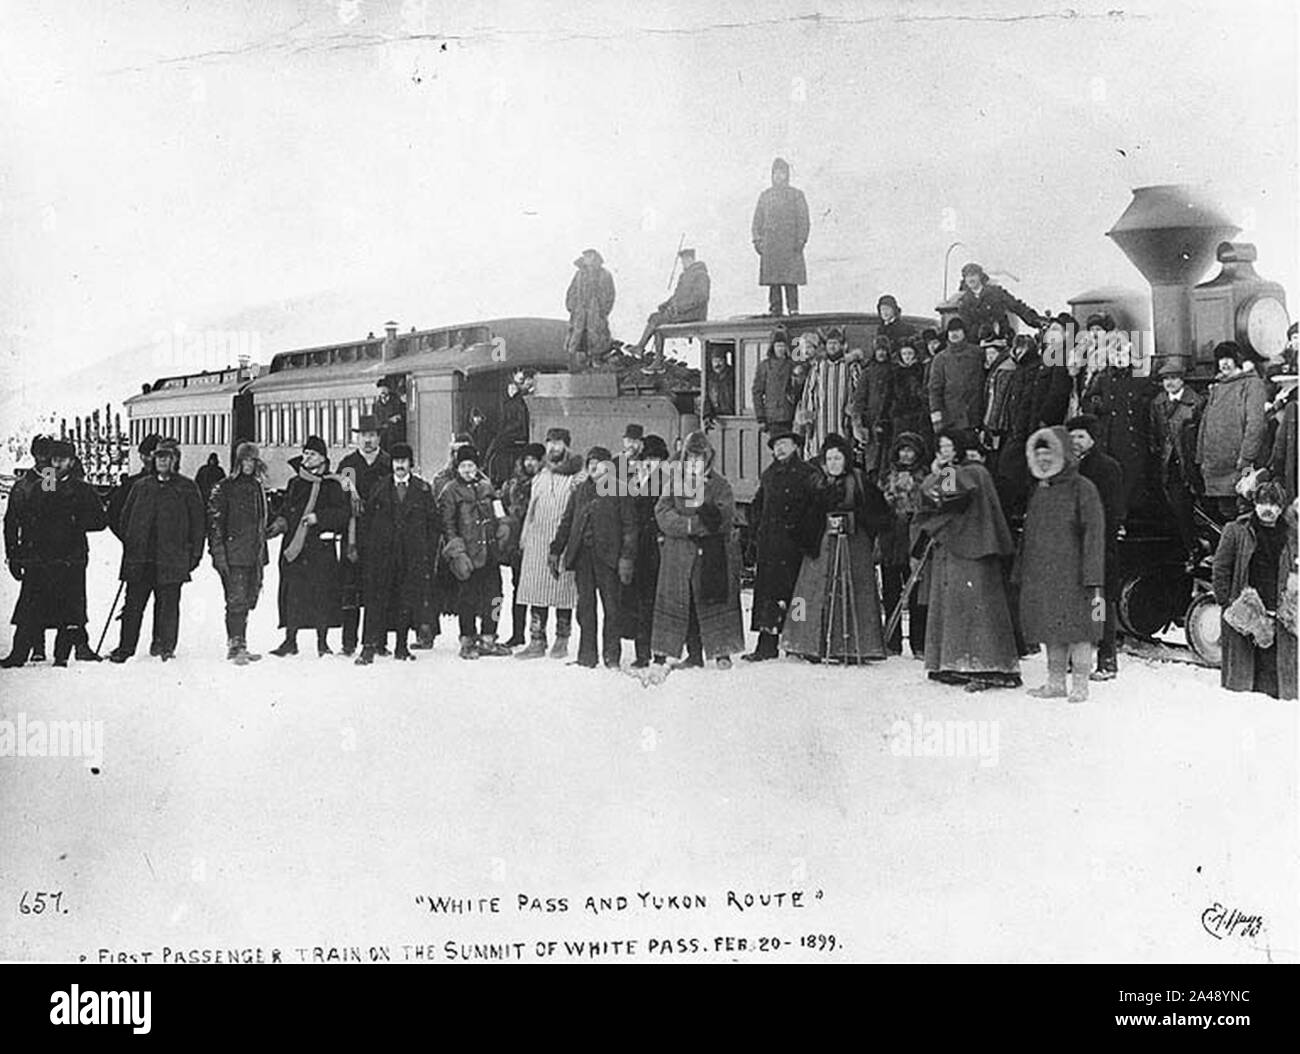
(1175, 417)
(779, 513)
(689, 303)
(638, 600)
(314, 513)
(362, 471)
(510, 440)
(543, 584)
(589, 301)
(1107, 475)
(780, 232)
(1121, 402)
(45, 544)
(163, 533)
(402, 527)
(237, 533)
(1230, 441)
(957, 381)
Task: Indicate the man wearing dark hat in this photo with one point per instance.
(164, 529)
(543, 583)
(596, 540)
(638, 598)
(389, 413)
(772, 391)
(117, 496)
(826, 403)
(1175, 418)
(209, 475)
(779, 515)
(361, 472)
(589, 301)
(401, 528)
(1230, 442)
(515, 497)
(892, 327)
(313, 515)
(957, 381)
(719, 389)
(15, 523)
(984, 301)
(633, 441)
(1107, 475)
(237, 534)
(45, 544)
(689, 303)
(780, 231)
(513, 434)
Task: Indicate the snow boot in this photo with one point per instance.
(560, 649)
(469, 648)
(232, 649)
(289, 646)
(424, 637)
(21, 652)
(489, 648)
(366, 657)
(1053, 689)
(82, 651)
(536, 638)
(766, 649)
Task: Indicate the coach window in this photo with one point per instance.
(299, 424)
(727, 349)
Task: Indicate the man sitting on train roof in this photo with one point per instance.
(984, 301)
(390, 413)
(689, 303)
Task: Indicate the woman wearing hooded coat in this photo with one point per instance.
(1061, 569)
(1257, 555)
(310, 581)
(699, 569)
(839, 617)
(969, 636)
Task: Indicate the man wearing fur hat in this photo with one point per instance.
(589, 301)
(780, 232)
(689, 303)
(786, 492)
(45, 544)
(117, 496)
(984, 301)
(1230, 441)
(164, 529)
(596, 540)
(1175, 418)
(361, 472)
(826, 404)
(543, 584)
(314, 513)
(401, 527)
(773, 388)
(237, 534)
(892, 327)
(956, 384)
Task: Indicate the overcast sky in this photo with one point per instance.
(307, 169)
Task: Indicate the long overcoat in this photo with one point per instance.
(52, 521)
(1122, 404)
(779, 515)
(1232, 431)
(547, 499)
(163, 524)
(310, 584)
(400, 545)
(780, 232)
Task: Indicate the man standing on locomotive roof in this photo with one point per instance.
(237, 534)
(589, 301)
(780, 232)
(780, 514)
(543, 584)
(163, 532)
(45, 544)
(361, 471)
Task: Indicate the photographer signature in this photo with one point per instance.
(1217, 921)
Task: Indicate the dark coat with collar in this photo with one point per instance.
(613, 524)
(163, 524)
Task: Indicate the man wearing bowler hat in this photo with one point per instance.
(633, 444)
(361, 471)
(1175, 417)
(779, 514)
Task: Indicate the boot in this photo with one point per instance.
(38, 646)
(536, 638)
(62, 647)
(519, 622)
(1053, 689)
(560, 649)
(488, 646)
(323, 642)
(232, 648)
(766, 649)
(402, 651)
(469, 647)
(423, 637)
(1079, 687)
(22, 650)
(289, 646)
(81, 649)
(366, 657)
(250, 656)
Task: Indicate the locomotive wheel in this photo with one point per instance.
(1149, 602)
(1205, 629)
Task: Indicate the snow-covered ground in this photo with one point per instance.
(308, 802)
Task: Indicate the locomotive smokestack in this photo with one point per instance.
(1170, 233)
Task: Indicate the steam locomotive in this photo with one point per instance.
(1170, 233)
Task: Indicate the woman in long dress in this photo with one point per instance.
(835, 610)
(969, 637)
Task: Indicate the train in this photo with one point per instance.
(1171, 233)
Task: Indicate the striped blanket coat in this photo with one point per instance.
(551, 489)
(680, 568)
(827, 401)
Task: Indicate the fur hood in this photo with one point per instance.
(1064, 461)
(914, 440)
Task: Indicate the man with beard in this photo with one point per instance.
(825, 407)
(543, 584)
(237, 533)
(314, 512)
(589, 301)
(719, 389)
(362, 471)
(786, 492)
(401, 532)
(46, 549)
(163, 533)
(780, 231)
(515, 497)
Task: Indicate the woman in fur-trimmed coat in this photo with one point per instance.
(699, 570)
(475, 535)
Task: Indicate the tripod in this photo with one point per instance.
(841, 598)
